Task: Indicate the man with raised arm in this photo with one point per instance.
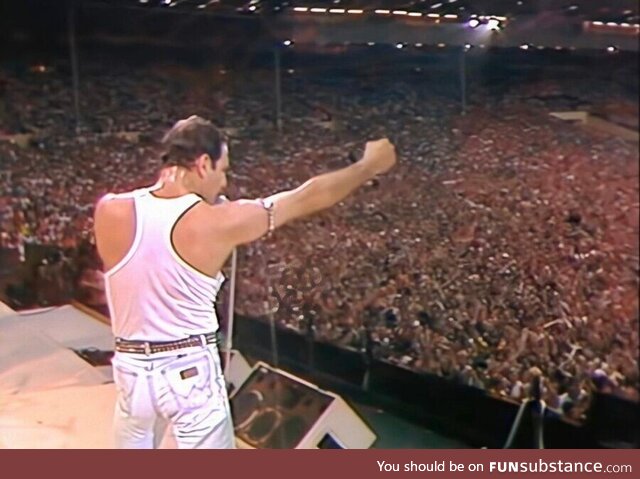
(162, 249)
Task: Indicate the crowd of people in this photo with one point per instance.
(506, 239)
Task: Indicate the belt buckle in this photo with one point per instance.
(147, 348)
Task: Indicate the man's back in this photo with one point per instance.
(154, 292)
(195, 238)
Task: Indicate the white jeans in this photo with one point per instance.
(185, 391)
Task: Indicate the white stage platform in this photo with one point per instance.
(52, 398)
(49, 396)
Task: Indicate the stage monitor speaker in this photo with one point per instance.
(276, 410)
(239, 369)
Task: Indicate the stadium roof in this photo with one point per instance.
(623, 11)
(542, 24)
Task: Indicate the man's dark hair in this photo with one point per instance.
(190, 138)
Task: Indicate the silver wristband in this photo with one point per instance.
(269, 205)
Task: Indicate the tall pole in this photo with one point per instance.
(463, 79)
(278, 85)
(230, 312)
(73, 51)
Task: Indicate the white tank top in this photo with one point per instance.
(153, 294)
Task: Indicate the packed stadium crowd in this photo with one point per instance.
(506, 240)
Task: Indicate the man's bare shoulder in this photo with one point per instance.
(114, 228)
(112, 205)
(221, 215)
(232, 220)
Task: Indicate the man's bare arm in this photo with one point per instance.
(248, 219)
